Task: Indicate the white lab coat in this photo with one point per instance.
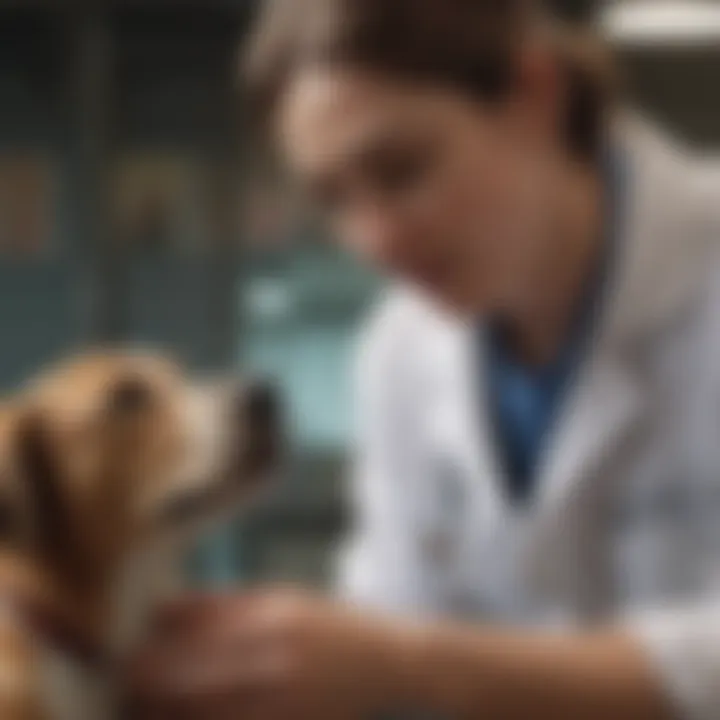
(626, 526)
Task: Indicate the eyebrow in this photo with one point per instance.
(362, 153)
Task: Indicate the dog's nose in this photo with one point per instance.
(261, 405)
(261, 411)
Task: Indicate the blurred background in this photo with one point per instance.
(134, 208)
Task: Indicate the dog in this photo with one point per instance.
(110, 465)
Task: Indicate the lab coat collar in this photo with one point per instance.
(653, 279)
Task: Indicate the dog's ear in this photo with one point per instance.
(12, 516)
(11, 530)
(38, 471)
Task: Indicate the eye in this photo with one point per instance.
(399, 169)
(130, 396)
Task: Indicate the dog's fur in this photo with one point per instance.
(109, 464)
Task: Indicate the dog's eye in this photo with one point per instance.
(130, 396)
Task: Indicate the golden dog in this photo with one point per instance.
(109, 465)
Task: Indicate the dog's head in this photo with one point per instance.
(108, 453)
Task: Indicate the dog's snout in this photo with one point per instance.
(261, 412)
(261, 404)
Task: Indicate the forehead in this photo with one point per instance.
(79, 386)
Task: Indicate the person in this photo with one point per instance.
(537, 490)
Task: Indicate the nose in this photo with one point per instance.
(259, 408)
(261, 405)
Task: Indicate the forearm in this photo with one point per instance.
(464, 673)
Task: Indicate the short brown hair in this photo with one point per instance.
(468, 44)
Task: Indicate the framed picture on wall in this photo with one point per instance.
(27, 205)
(160, 205)
(271, 220)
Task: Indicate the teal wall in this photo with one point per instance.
(301, 321)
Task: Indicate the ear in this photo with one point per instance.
(38, 470)
(13, 518)
(11, 532)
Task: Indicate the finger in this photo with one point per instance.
(196, 611)
(244, 624)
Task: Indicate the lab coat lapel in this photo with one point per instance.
(606, 411)
(654, 280)
(464, 422)
(651, 280)
(607, 402)
(609, 398)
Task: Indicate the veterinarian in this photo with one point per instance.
(537, 492)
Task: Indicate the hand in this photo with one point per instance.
(268, 655)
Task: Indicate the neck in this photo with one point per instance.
(543, 311)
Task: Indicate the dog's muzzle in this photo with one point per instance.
(260, 414)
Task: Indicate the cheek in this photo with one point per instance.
(483, 215)
(528, 195)
(464, 212)
(199, 439)
(83, 468)
(508, 202)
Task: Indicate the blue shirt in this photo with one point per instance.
(524, 400)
